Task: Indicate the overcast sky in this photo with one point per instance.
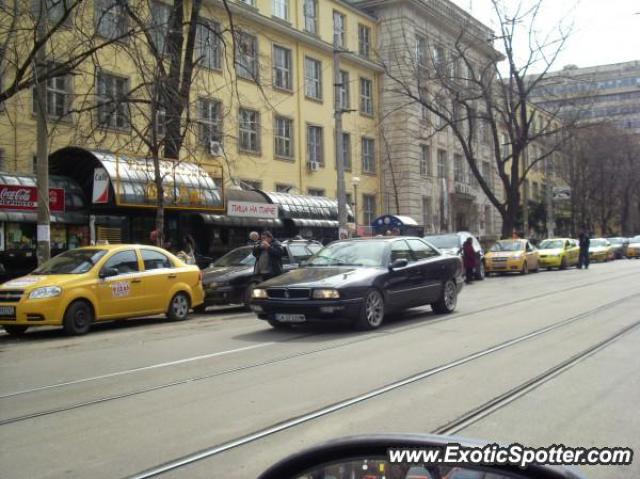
(604, 31)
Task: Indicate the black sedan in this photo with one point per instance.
(361, 280)
(230, 279)
(452, 243)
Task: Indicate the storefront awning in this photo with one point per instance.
(306, 207)
(69, 217)
(304, 223)
(224, 220)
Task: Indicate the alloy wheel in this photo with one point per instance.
(374, 309)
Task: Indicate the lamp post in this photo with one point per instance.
(355, 181)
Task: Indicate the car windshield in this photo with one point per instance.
(238, 257)
(443, 241)
(350, 253)
(552, 244)
(508, 246)
(598, 242)
(76, 261)
(616, 240)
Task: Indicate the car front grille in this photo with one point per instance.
(10, 295)
(289, 293)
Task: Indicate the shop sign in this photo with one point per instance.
(247, 209)
(25, 198)
(100, 186)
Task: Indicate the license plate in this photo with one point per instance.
(290, 318)
(7, 310)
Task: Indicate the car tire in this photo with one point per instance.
(371, 313)
(525, 268)
(448, 299)
(15, 329)
(179, 307)
(246, 296)
(278, 325)
(481, 272)
(563, 263)
(78, 318)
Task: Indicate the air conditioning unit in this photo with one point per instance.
(313, 165)
(215, 148)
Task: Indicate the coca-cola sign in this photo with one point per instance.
(25, 198)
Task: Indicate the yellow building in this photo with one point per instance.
(267, 120)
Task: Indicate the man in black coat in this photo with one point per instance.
(584, 250)
(268, 253)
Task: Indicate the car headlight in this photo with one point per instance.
(259, 293)
(326, 294)
(45, 292)
(215, 284)
(517, 256)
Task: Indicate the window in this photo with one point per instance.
(123, 262)
(421, 250)
(342, 99)
(207, 44)
(249, 2)
(368, 209)
(282, 68)
(281, 9)
(366, 96)
(421, 51)
(249, 137)
(210, 121)
(313, 78)
(364, 41)
(58, 99)
(155, 260)
(246, 56)
(425, 160)
(368, 155)
(19, 236)
(112, 108)
(283, 137)
(311, 16)
(282, 188)
(160, 13)
(111, 19)
(161, 122)
(346, 151)
(315, 192)
(339, 21)
(458, 168)
(55, 10)
(3, 163)
(314, 145)
(442, 164)
(424, 101)
(252, 184)
(400, 250)
(427, 211)
(439, 61)
(506, 150)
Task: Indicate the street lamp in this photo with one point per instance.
(355, 181)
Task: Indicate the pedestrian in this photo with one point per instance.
(268, 253)
(469, 260)
(584, 242)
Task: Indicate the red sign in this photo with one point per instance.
(25, 198)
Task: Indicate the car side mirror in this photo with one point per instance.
(399, 263)
(108, 272)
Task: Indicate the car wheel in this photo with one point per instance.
(178, 307)
(525, 268)
(246, 296)
(278, 325)
(372, 311)
(563, 263)
(15, 329)
(78, 318)
(448, 300)
(481, 272)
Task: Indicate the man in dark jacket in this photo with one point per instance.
(469, 259)
(584, 250)
(268, 253)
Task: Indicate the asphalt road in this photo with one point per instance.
(131, 396)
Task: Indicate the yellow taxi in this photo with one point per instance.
(558, 253)
(515, 255)
(100, 283)
(633, 250)
(600, 250)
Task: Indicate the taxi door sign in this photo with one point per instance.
(121, 288)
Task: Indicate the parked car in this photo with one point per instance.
(359, 281)
(230, 279)
(452, 244)
(558, 253)
(100, 283)
(517, 255)
(619, 246)
(600, 250)
(633, 248)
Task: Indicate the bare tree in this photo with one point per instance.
(464, 87)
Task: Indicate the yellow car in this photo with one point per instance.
(633, 250)
(517, 255)
(558, 253)
(600, 250)
(100, 283)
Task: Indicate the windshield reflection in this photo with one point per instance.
(350, 253)
(237, 257)
(72, 262)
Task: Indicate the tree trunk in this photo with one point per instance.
(159, 200)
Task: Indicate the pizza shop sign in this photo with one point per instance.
(25, 198)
